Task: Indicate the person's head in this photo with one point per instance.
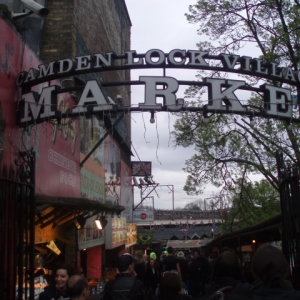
(270, 265)
(170, 285)
(180, 254)
(125, 263)
(63, 271)
(138, 255)
(78, 287)
(163, 256)
(227, 265)
(170, 250)
(226, 249)
(196, 253)
(145, 257)
(152, 263)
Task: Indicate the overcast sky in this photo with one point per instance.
(161, 24)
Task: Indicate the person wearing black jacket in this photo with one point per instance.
(198, 274)
(152, 276)
(171, 262)
(124, 286)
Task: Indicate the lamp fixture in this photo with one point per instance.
(78, 226)
(79, 222)
(152, 118)
(100, 222)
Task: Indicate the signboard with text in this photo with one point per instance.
(131, 234)
(39, 107)
(90, 235)
(115, 232)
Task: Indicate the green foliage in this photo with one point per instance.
(194, 205)
(251, 204)
(230, 148)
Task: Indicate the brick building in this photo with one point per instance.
(52, 175)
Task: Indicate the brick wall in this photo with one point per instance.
(59, 32)
(106, 27)
(80, 27)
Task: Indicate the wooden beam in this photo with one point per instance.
(41, 249)
(65, 241)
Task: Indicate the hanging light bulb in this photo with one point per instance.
(152, 119)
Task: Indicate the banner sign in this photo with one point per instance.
(90, 235)
(131, 235)
(277, 101)
(115, 232)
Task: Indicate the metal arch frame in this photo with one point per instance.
(175, 59)
(197, 60)
(249, 110)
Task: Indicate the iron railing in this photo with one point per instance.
(17, 214)
(289, 188)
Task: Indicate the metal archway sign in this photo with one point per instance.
(277, 101)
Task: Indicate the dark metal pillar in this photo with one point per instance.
(290, 213)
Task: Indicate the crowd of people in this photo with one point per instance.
(178, 277)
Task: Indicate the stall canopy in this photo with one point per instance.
(187, 244)
(267, 231)
(60, 210)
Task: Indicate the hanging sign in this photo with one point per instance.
(143, 216)
(277, 101)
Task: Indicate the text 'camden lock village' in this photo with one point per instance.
(34, 107)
